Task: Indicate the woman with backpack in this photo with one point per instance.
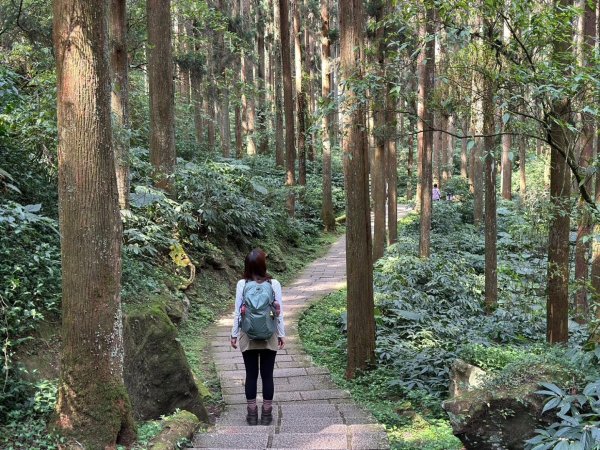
(259, 331)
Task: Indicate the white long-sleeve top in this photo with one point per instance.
(239, 293)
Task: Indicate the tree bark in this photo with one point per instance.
(584, 229)
(522, 163)
(288, 102)
(444, 141)
(506, 167)
(410, 167)
(426, 64)
(162, 93)
(209, 108)
(392, 167)
(310, 94)
(278, 116)
(595, 269)
(93, 406)
(560, 191)
(120, 97)
(249, 105)
(378, 169)
(359, 264)
(489, 128)
(184, 69)
(301, 106)
(451, 146)
(225, 126)
(327, 210)
(261, 127)
(239, 138)
(196, 90)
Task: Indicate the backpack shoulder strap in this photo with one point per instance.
(272, 291)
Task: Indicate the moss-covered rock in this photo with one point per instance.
(505, 411)
(156, 371)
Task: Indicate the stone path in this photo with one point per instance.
(309, 412)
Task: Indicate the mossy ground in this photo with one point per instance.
(413, 420)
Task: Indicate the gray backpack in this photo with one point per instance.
(258, 318)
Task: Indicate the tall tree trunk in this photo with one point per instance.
(300, 95)
(426, 64)
(196, 87)
(437, 147)
(451, 146)
(392, 166)
(225, 125)
(378, 169)
(327, 211)
(248, 103)
(209, 108)
(560, 191)
(489, 128)
(506, 166)
(239, 138)
(464, 150)
(310, 95)
(477, 152)
(522, 162)
(288, 102)
(584, 229)
(184, 70)
(444, 142)
(410, 142)
(359, 265)
(278, 116)
(595, 269)
(261, 127)
(162, 93)
(93, 406)
(120, 97)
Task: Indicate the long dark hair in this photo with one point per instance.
(255, 266)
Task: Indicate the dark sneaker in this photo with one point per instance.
(266, 417)
(252, 417)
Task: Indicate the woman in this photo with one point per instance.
(258, 353)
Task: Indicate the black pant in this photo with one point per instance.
(267, 364)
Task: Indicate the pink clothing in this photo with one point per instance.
(436, 194)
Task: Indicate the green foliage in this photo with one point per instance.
(320, 331)
(25, 426)
(430, 312)
(29, 286)
(578, 414)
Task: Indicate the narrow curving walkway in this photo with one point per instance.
(309, 411)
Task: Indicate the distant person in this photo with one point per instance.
(450, 196)
(259, 331)
(436, 194)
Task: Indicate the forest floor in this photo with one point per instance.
(310, 412)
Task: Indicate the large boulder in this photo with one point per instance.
(501, 413)
(157, 374)
(464, 377)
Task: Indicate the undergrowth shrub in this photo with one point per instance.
(29, 286)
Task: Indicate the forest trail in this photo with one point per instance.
(309, 411)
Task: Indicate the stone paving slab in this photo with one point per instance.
(219, 440)
(309, 412)
(312, 441)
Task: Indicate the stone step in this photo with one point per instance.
(249, 441)
(310, 441)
